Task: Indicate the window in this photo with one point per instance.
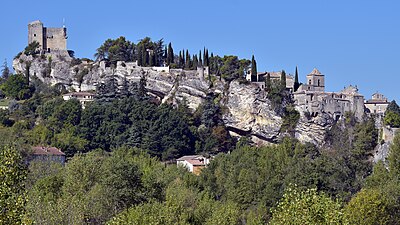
(318, 82)
(309, 82)
(48, 49)
(34, 35)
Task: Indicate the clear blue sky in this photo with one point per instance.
(352, 42)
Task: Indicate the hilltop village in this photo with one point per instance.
(310, 97)
(145, 135)
(194, 79)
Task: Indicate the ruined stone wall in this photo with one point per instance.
(56, 39)
(35, 33)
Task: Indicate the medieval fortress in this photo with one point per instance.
(310, 98)
(49, 39)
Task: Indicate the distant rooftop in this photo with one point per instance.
(315, 72)
(42, 150)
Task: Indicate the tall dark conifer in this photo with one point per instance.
(283, 80)
(187, 66)
(195, 62)
(200, 60)
(253, 70)
(183, 59)
(170, 56)
(139, 56)
(206, 59)
(268, 84)
(296, 80)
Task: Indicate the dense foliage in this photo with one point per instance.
(392, 115)
(121, 148)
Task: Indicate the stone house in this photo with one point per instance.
(83, 97)
(377, 104)
(47, 154)
(194, 163)
(311, 98)
(261, 76)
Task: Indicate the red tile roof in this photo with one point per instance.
(42, 150)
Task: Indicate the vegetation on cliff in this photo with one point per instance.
(120, 146)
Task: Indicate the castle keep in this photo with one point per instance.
(49, 39)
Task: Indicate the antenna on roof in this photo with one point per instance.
(63, 22)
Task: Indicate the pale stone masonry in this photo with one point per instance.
(311, 98)
(49, 38)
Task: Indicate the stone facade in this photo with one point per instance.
(377, 104)
(49, 39)
(312, 99)
(260, 80)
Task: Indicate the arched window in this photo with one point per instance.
(309, 82)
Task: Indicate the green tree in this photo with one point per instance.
(170, 56)
(12, 192)
(306, 207)
(394, 156)
(268, 84)
(115, 50)
(369, 206)
(283, 80)
(296, 81)
(253, 69)
(5, 71)
(32, 48)
(188, 60)
(16, 87)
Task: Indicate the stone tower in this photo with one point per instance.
(50, 39)
(316, 80)
(35, 32)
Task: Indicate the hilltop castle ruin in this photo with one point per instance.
(49, 39)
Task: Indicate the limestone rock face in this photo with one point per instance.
(313, 129)
(248, 111)
(246, 108)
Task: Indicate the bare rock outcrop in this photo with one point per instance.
(246, 108)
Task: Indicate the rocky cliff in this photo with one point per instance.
(246, 108)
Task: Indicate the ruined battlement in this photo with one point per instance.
(49, 38)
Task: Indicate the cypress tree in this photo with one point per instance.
(179, 59)
(296, 80)
(139, 56)
(165, 54)
(283, 80)
(206, 59)
(268, 83)
(253, 70)
(187, 59)
(170, 57)
(200, 61)
(183, 59)
(204, 56)
(195, 62)
(151, 60)
(145, 57)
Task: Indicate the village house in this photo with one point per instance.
(47, 154)
(377, 104)
(261, 76)
(311, 98)
(194, 163)
(82, 97)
